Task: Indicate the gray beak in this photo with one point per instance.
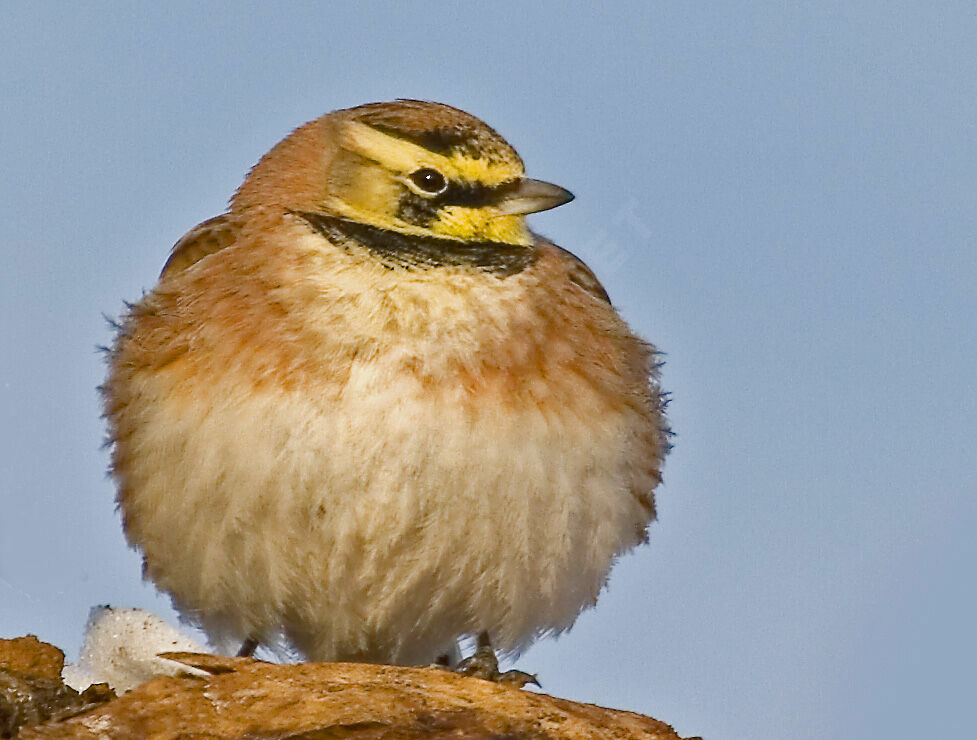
(532, 196)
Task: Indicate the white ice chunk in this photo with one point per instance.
(121, 649)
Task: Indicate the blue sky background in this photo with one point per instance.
(780, 195)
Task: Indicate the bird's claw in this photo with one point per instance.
(485, 665)
(518, 679)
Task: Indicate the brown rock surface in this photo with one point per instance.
(30, 656)
(31, 689)
(243, 698)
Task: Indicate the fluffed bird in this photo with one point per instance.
(368, 411)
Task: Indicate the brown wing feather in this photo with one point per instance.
(203, 239)
(579, 273)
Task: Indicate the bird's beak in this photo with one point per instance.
(531, 196)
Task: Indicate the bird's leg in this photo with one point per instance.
(484, 664)
(248, 648)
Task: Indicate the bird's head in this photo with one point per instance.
(417, 169)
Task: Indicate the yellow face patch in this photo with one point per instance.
(479, 224)
(376, 187)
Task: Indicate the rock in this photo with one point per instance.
(243, 698)
(30, 656)
(31, 689)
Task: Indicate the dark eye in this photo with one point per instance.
(428, 180)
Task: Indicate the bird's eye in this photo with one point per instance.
(428, 180)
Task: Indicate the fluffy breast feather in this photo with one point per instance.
(375, 461)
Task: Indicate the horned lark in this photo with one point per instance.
(368, 411)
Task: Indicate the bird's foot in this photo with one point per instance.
(484, 664)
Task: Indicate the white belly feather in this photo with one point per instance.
(385, 523)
